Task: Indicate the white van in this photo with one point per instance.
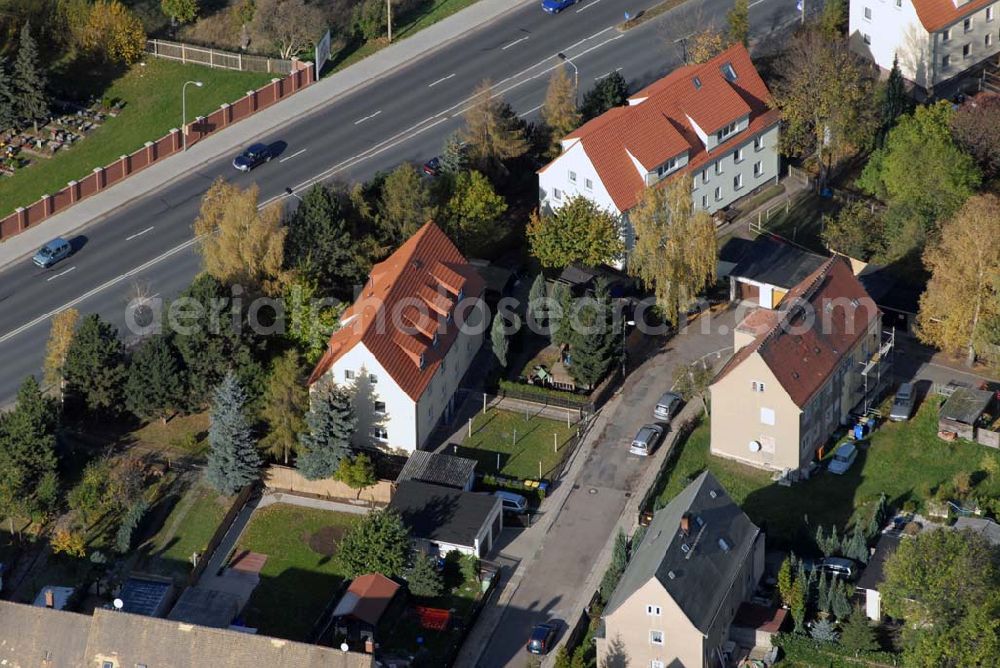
(512, 503)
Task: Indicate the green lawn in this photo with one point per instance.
(495, 432)
(803, 223)
(153, 106)
(300, 576)
(428, 14)
(187, 529)
(400, 631)
(905, 461)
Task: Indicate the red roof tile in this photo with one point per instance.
(821, 320)
(367, 598)
(406, 302)
(656, 126)
(938, 14)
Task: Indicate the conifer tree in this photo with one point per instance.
(95, 366)
(593, 340)
(233, 459)
(8, 100)
(610, 92)
(424, 580)
(29, 80)
(330, 424)
(285, 401)
(155, 387)
(536, 301)
(856, 634)
(498, 340)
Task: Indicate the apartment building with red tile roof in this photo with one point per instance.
(407, 341)
(934, 40)
(799, 371)
(711, 120)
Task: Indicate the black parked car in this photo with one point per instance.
(541, 639)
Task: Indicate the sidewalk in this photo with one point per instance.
(309, 100)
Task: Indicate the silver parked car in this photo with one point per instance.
(667, 406)
(902, 405)
(646, 440)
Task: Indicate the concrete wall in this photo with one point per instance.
(288, 479)
(738, 414)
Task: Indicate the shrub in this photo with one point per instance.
(70, 543)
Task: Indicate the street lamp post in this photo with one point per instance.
(576, 76)
(184, 133)
(388, 16)
(625, 323)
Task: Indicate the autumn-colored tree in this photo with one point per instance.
(559, 110)
(70, 543)
(676, 247)
(60, 339)
(826, 95)
(114, 33)
(705, 45)
(289, 25)
(404, 206)
(285, 403)
(738, 23)
(491, 134)
(577, 232)
(964, 291)
(241, 244)
(474, 214)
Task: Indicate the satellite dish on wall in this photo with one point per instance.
(344, 647)
(754, 446)
(118, 603)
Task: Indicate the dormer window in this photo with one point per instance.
(666, 167)
(434, 341)
(422, 361)
(726, 131)
(728, 72)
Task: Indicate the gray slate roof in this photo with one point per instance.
(874, 572)
(699, 579)
(775, 262)
(438, 469)
(442, 514)
(965, 405)
(982, 525)
(206, 607)
(71, 640)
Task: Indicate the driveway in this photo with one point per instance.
(553, 572)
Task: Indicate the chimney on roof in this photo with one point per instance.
(50, 598)
(686, 523)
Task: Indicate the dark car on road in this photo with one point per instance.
(541, 638)
(52, 252)
(255, 155)
(556, 6)
(432, 167)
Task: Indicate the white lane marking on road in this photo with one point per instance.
(607, 74)
(369, 117)
(516, 41)
(530, 111)
(755, 3)
(99, 288)
(139, 234)
(297, 153)
(52, 278)
(440, 80)
(591, 4)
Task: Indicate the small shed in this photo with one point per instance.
(963, 411)
(874, 574)
(147, 595)
(448, 519)
(206, 607)
(755, 625)
(362, 606)
(439, 469)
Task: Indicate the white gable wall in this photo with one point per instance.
(556, 177)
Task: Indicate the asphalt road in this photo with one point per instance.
(147, 248)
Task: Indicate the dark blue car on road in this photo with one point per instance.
(556, 6)
(257, 154)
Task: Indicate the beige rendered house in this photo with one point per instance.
(673, 608)
(798, 371)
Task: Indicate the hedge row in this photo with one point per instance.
(514, 388)
(830, 655)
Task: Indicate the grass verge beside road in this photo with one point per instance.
(519, 442)
(906, 461)
(152, 96)
(300, 576)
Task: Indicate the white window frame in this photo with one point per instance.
(738, 155)
(704, 175)
(967, 24)
(572, 176)
(868, 14)
(656, 663)
(946, 35)
(652, 637)
(373, 379)
(967, 51)
(588, 184)
(758, 143)
(757, 385)
(866, 38)
(718, 167)
(704, 201)
(667, 167)
(945, 61)
(348, 374)
(380, 434)
(758, 168)
(726, 132)
(738, 182)
(899, 4)
(375, 407)
(989, 14)
(556, 194)
(653, 610)
(718, 193)
(988, 40)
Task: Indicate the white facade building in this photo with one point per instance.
(711, 120)
(934, 40)
(401, 347)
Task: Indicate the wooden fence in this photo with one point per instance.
(285, 478)
(227, 60)
(153, 151)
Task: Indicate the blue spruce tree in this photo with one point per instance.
(330, 423)
(233, 458)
